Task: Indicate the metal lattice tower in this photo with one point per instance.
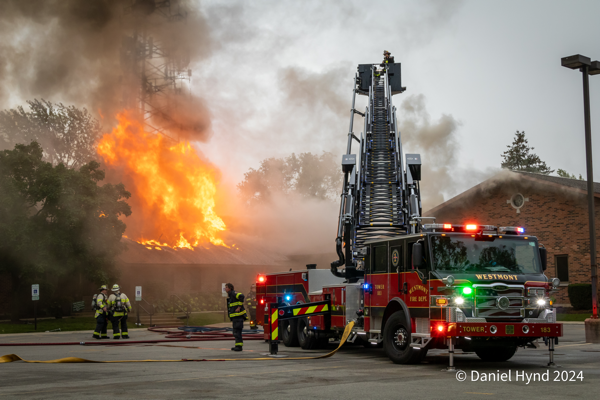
(154, 75)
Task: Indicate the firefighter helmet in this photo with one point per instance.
(103, 287)
(116, 288)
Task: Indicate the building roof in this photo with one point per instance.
(245, 252)
(572, 183)
(509, 176)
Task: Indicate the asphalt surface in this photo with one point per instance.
(354, 372)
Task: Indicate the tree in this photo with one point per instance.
(519, 158)
(306, 174)
(564, 174)
(56, 221)
(68, 135)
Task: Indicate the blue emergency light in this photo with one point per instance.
(366, 286)
(288, 297)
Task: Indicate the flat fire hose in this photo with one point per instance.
(13, 357)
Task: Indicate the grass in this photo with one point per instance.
(65, 324)
(573, 317)
(205, 319)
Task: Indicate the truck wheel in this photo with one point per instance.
(496, 354)
(289, 334)
(323, 341)
(396, 341)
(307, 342)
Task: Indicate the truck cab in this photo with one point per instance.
(482, 285)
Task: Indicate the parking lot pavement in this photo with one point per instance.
(353, 372)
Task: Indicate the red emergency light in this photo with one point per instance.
(260, 279)
(471, 227)
(262, 301)
(447, 226)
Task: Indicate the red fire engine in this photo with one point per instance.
(479, 288)
(407, 285)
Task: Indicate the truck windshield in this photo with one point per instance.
(464, 254)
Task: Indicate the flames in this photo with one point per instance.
(173, 189)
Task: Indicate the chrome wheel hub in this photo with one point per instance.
(401, 338)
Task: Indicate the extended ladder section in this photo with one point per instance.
(380, 197)
(381, 202)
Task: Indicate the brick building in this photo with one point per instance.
(551, 208)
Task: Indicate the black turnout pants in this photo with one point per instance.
(122, 320)
(101, 325)
(238, 325)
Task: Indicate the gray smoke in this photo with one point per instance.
(438, 143)
(73, 51)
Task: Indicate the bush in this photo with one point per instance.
(580, 295)
(196, 301)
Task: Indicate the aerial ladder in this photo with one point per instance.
(380, 194)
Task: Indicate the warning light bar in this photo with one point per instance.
(446, 227)
(512, 230)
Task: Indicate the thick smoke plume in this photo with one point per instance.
(79, 52)
(438, 143)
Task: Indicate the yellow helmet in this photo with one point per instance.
(116, 288)
(103, 287)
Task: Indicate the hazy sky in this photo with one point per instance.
(276, 76)
(279, 77)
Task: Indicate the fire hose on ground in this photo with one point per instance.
(185, 334)
(13, 357)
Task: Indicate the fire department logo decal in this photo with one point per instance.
(395, 258)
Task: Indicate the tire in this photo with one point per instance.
(396, 341)
(306, 341)
(496, 354)
(289, 334)
(322, 341)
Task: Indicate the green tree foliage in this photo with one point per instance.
(56, 221)
(306, 174)
(564, 174)
(68, 135)
(518, 157)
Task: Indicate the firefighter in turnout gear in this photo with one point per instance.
(251, 306)
(237, 315)
(100, 306)
(388, 58)
(119, 306)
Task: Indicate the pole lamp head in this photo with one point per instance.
(594, 68)
(575, 62)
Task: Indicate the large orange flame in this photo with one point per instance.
(172, 188)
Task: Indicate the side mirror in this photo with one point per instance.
(544, 258)
(417, 255)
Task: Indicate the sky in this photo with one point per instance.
(280, 79)
(275, 77)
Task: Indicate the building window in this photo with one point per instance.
(380, 259)
(562, 267)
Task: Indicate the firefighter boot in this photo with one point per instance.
(237, 348)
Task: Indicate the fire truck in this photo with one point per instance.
(406, 283)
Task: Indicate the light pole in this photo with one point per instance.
(587, 67)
